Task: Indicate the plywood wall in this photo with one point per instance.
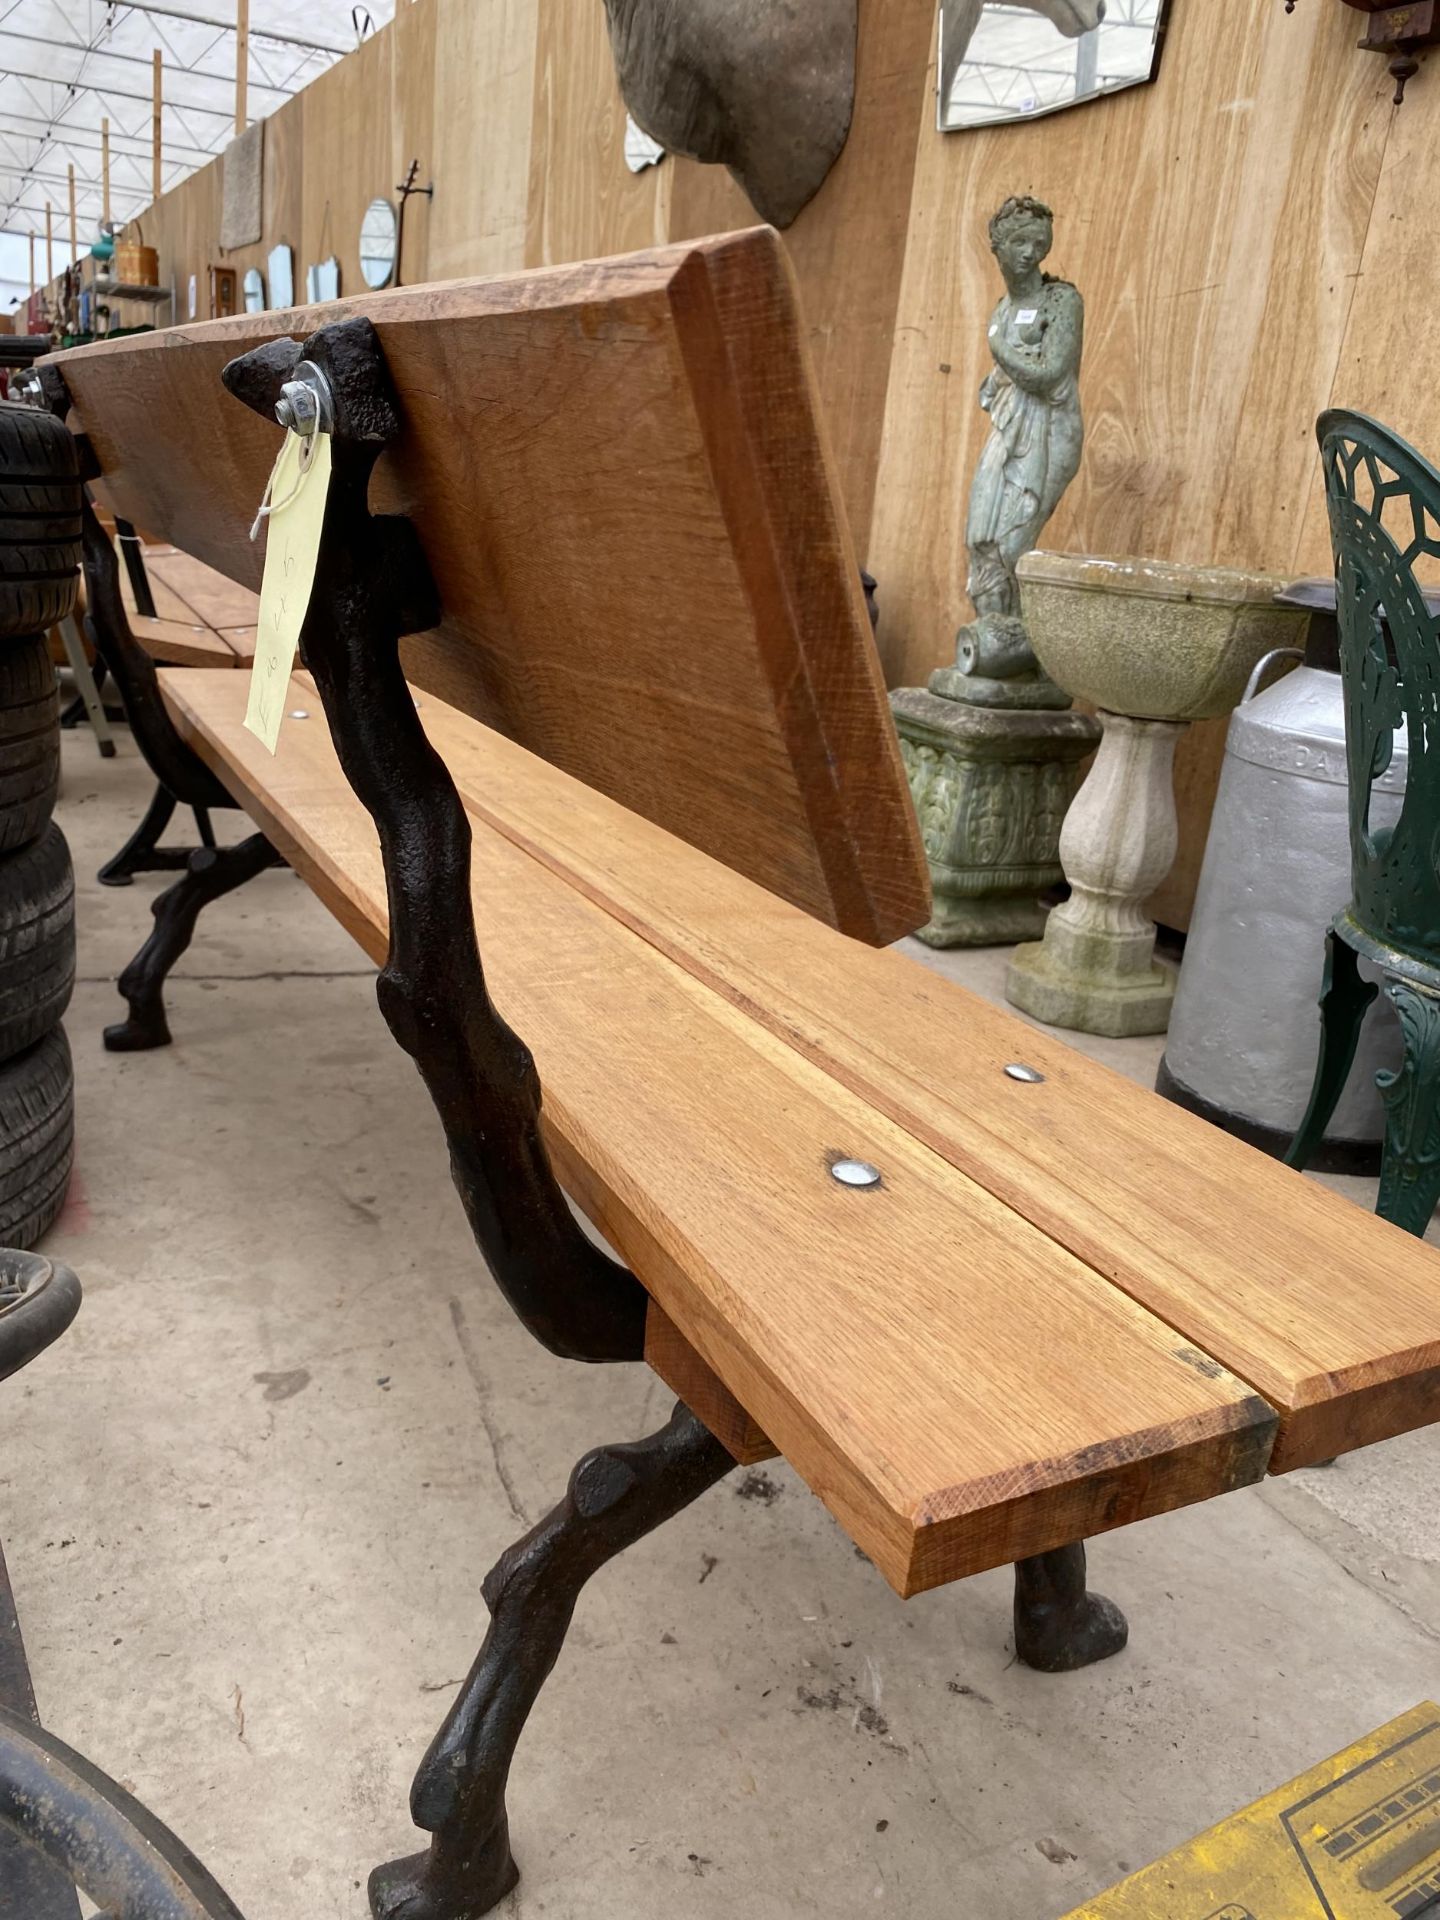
(1216, 224)
(511, 106)
(1252, 236)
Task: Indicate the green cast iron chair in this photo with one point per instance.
(1384, 504)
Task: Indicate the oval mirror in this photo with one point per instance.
(254, 291)
(282, 277)
(377, 244)
(1017, 59)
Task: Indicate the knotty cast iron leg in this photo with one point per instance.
(138, 855)
(372, 585)
(617, 1495)
(1059, 1626)
(212, 872)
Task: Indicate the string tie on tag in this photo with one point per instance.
(269, 506)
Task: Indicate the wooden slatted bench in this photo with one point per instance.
(645, 752)
(198, 619)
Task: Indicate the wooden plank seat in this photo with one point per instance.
(1230, 1256)
(644, 752)
(900, 1382)
(201, 619)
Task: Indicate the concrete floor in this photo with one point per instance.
(250, 1497)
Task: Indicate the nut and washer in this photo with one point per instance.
(306, 405)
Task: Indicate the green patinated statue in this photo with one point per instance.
(991, 748)
(1033, 398)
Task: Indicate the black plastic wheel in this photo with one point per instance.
(37, 1138)
(39, 520)
(37, 941)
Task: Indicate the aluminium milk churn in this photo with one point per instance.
(1245, 1031)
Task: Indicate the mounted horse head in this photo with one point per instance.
(765, 90)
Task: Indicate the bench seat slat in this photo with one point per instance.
(183, 643)
(1330, 1313)
(889, 1342)
(213, 599)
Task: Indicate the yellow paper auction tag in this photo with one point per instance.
(292, 549)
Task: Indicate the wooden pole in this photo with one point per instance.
(49, 248)
(242, 60)
(105, 169)
(74, 229)
(32, 263)
(155, 127)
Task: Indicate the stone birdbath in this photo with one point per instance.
(1152, 646)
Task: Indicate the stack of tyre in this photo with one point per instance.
(39, 561)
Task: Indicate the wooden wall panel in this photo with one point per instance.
(412, 120)
(484, 88)
(1214, 223)
(584, 202)
(1393, 334)
(349, 157)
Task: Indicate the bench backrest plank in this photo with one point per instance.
(1330, 1313)
(885, 1341)
(621, 483)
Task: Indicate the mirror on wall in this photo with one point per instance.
(254, 290)
(282, 277)
(1017, 59)
(322, 281)
(377, 243)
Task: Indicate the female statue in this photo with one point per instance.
(1033, 399)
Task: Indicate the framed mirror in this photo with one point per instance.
(282, 277)
(254, 290)
(377, 244)
(1017, 59)
(322, 281)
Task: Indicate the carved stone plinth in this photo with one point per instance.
(991, 786)
(1095, 970)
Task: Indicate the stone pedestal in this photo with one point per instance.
(1095, 970)
(991, 786)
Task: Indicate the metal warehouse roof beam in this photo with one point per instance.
(228, 26)
(130, 59)
(64, 135)
(120, 93)
(14, 170)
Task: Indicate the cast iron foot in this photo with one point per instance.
(617, 1495)
(416, 1889)
(212, 872)
(1059, 1626)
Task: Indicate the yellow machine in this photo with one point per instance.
(1356, 1838)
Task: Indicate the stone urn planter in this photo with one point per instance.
(1152, 646)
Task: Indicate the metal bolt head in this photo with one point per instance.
(298, 408)
(1017, 1070)
(855, 1173)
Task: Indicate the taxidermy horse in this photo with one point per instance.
(764, 87)
(962, 17)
